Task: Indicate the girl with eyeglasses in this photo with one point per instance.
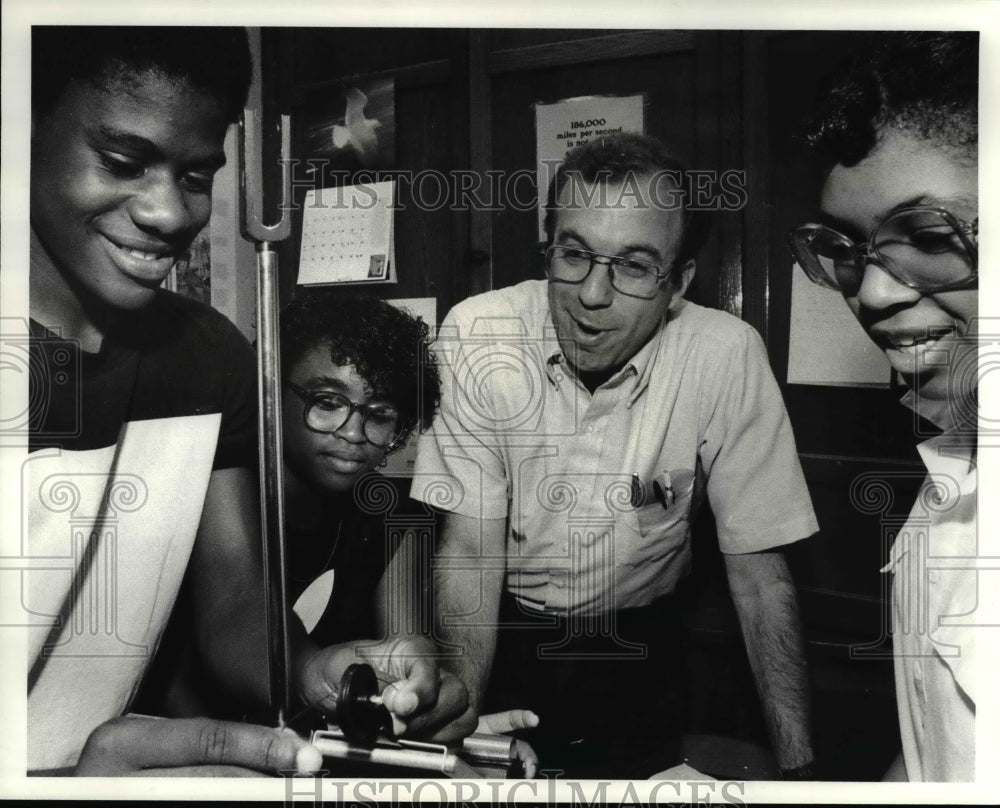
(897, 236)
(359, 377)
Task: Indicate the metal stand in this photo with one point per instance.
(269, 394)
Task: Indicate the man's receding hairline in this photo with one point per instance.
(648, 193)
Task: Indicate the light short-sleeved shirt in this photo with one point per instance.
(599, 490)
(934, 598)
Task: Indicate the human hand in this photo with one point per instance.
(508, 721)
(193, 747)
(422, 699)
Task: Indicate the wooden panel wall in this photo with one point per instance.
(520, 78)
(722, 100)
(430, 72)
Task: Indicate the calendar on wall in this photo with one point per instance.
(347, 235)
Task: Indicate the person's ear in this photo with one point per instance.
(684, 276)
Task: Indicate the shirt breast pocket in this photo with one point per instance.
(663, 516)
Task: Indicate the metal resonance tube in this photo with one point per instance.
(486, 748)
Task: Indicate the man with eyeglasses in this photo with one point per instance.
(898, 136)
(583, 420)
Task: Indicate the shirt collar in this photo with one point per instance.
(954, 450)
(958, 436)
(642, 363)
(951, 459)
(553, 354)
(646, 360)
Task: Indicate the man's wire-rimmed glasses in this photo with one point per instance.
(326, 411)
(630, 276)
(924, 248)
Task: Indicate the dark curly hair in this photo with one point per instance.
(926, 84)
(215, 60)
(389, 348)
(613, 158)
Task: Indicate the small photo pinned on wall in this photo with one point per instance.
(376, 267)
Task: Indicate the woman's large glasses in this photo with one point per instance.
(328, 412)
(926, 249)
(629, 276)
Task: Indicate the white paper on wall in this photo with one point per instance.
(347, 235)
(572, 122)
(827, 345)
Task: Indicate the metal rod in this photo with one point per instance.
(269, 394)
(271, 478)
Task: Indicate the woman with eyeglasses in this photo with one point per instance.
(897, 235)
(359, 377)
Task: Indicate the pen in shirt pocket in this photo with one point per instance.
(658, 490)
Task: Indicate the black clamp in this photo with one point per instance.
(360, 713)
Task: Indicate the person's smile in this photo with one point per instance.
(146, 263)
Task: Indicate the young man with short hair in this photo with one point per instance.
(143, 437)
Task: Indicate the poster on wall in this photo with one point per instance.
(563, 125)
(344, 135)
(346, 127)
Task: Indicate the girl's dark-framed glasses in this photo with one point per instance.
(327, 412)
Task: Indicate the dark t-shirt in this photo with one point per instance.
(175, 357)
(139, 427)
(370, 529)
